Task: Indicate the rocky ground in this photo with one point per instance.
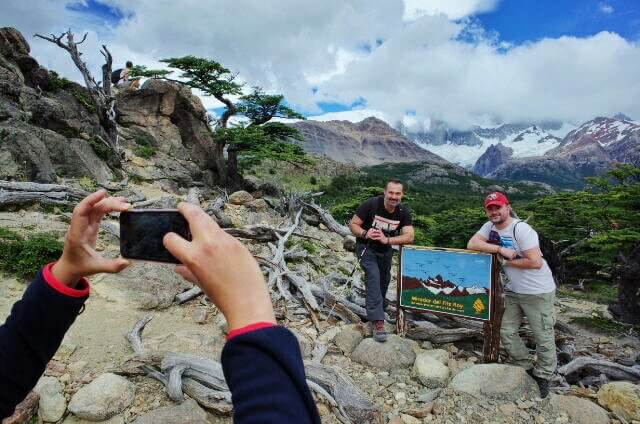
(409, 381)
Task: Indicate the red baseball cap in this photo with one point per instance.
(495, 198)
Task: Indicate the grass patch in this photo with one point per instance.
(24, 256)
(145, 151)
(599, 292)
(88, 184)
(600, 324)
(85, 100)
(136, 179)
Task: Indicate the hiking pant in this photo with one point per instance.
(538, 308)
(377, 270)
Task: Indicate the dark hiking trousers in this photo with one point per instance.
(377, 269)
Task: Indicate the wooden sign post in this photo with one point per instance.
(452, 282)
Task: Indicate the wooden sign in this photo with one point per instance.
(453, 282)
(447, 281)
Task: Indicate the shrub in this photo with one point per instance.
(24, 256)
(145, 151)
(57, 83)
(313, 180)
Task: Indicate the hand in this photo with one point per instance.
(509, 254)
(223, 268)
(79, 257)
(375, 234)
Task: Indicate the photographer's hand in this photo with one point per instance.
(79, 258)
(224, 269)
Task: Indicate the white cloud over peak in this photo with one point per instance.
(417, 58)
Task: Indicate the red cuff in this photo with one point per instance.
(249, 328)
(82, 289)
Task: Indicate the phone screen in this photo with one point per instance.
(141, 233)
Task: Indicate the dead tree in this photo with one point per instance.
(627, 308)
(100, 93)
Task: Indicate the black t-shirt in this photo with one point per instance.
(374, 215)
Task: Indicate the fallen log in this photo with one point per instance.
(610, 369)
(357, 406)
(327, 219)
(425, 330)
(185, 296)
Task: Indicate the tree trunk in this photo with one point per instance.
(234, 178)
(627, 308)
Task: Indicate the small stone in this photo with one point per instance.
(429, 395)
(507, 408)
(524, 404)
(65, 378)
(438, 354)
(580, 411)
(420, 411)
(408, 419)
(188, 412)
(52, 402)
(200, 315)
(76, 367)
(240, 198)
(55, 368)
(258, 205)
(427, 345)
(540, 419)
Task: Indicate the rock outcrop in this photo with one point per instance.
(490, 160)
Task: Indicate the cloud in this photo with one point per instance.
(605, 8)
(453, 9)
(423, 59)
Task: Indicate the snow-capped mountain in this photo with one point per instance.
(465, 147)
(438, 285)
(588, 150)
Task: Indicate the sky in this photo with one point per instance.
(464, 62)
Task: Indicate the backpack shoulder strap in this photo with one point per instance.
(514, 231)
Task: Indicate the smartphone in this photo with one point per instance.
(142, 230)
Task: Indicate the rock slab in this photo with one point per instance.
(188, 412)
(395, 353)
(104, 397)
(580, 411)
(496, 381)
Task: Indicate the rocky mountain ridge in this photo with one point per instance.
(589, 150)
(369, 142)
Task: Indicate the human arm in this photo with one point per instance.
(532, 259)
(406, 236)
(480, 244)
(355, 225)
(261, 361)
(38, 322)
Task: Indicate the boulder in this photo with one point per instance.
(258, 205)
(579, 410)
(12, 43)
(496, 381)
(240, 197)
(430, 371)
(104, 397)
(52, 402)
(396, 352)
(72, 419)
(622, 398)
(440, 355)
(188, 412)
(349, 338)
(349, 243)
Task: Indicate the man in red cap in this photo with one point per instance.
(530, 291)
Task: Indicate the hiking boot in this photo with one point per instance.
(543, 383)
(379, 333)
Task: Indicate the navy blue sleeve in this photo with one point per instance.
(30, 337)
(265, 373)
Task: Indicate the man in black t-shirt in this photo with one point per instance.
(379, 223)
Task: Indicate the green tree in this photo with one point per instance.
(251, 141)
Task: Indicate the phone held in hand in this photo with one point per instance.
(142, 230)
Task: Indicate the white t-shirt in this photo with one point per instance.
(526, 281)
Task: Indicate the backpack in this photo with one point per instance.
(115, 76)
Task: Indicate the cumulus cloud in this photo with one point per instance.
(417, 58)
(453, 9)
